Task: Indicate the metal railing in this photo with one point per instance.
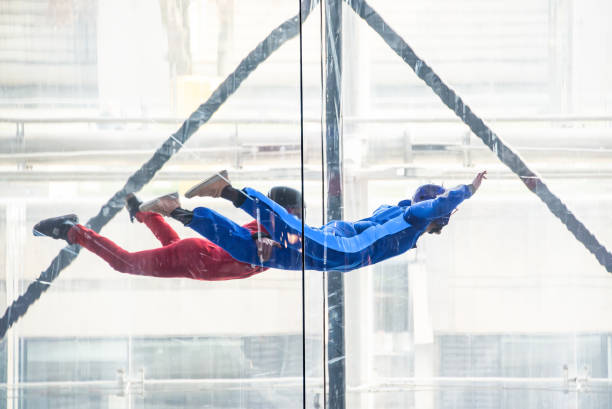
(241, 146)
(124, 384)
(287, 120)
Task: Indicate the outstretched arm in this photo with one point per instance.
(444, 204)
(478, 180)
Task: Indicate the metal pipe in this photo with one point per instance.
(290, 120)
(332, 16)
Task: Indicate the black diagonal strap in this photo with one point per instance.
(503, 151)
(286, 31)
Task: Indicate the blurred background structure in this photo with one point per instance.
(505, 309)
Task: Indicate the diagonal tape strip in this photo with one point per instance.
(286, 31)
(504, 152)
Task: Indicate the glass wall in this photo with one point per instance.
(505, 308)
(90, 92)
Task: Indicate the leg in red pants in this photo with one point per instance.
(190, 258)
(158, 226)
(168, 261)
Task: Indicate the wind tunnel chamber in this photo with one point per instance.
(354, 105)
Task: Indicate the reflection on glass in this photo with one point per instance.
(504, 309)
(92, 104)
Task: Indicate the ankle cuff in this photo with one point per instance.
(182, 215)
(72, 235)
(240, 199)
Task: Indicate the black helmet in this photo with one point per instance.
(286, 197)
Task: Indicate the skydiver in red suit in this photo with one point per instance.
(195, 258)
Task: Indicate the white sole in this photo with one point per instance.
(146, 207)
(219, 176)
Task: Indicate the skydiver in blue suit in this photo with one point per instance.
(338, 245)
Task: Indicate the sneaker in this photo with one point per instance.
(132, 204)
(162, 205)
(56, 227)
(212, 187)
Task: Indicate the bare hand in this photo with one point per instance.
(478, 180)
(264, 248)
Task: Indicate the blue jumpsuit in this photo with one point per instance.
(336, 246)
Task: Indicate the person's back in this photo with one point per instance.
(342, 245)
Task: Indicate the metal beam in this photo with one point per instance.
(332, 16)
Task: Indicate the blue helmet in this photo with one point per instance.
(427, 192)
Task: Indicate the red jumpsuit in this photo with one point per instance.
(195, 258)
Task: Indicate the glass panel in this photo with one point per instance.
(154, 313)
(72, 359)
(505, 308)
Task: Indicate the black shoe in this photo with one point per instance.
(56, 227)
(132, 204)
